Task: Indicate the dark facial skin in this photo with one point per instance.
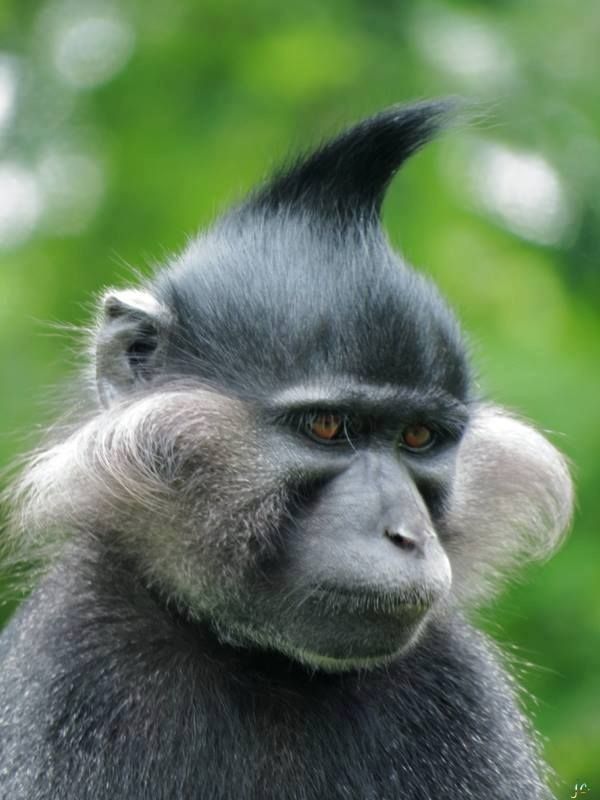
(359, 562)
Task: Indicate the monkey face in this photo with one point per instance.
(358, 563)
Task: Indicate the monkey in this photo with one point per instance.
(263, 537)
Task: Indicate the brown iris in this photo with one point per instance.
(326, 426)
(416, 437)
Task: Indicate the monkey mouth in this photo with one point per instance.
(409, 605)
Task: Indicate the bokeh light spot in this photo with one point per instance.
(73, 185)
(21, 204)
(89, 50)
(523, 191)
(8, 89)
(464, 46)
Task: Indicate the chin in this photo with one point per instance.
(360, 642)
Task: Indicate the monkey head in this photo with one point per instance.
(287, 443)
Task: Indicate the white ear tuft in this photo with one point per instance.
(512, 499)
(130, 341)
(119, 302)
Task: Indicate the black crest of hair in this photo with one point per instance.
(346, 178)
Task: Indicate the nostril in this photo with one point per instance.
(402, 538)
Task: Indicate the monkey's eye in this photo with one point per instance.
(417, 438)
(325, 426)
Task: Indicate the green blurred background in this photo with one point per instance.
(125, 127)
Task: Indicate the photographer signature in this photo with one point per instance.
(581, 789)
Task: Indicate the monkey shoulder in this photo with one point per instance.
(90, 684)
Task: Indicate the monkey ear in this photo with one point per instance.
(130, 341)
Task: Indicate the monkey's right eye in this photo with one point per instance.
(329, 427)
(325, 426)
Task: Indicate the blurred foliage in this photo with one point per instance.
(124, 127)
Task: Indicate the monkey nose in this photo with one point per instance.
(406, 539)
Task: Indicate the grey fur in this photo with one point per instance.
(159, 471)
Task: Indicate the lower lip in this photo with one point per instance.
(375, 602)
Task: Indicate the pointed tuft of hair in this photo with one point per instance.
(347, 177)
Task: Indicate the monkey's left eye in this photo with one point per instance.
(417, 437)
